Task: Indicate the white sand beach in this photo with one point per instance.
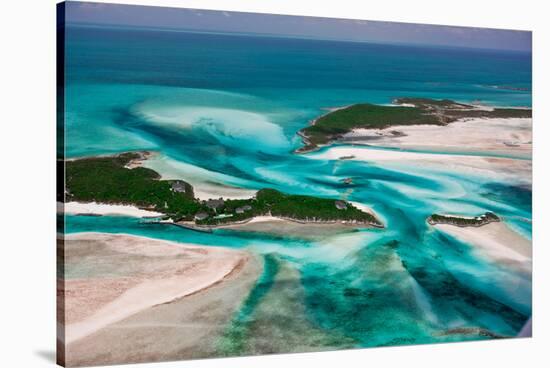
(363, 207)
(261, 219)
(93, 208)
(499, 136)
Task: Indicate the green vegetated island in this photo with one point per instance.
(118, 180)
(409, 111)
(460, 221)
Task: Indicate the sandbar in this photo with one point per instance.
(206, 184)
(497, 241)
(510, 136)
(120, 290)
(283, 227)
(513, 170)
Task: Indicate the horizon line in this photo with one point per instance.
(288, 36)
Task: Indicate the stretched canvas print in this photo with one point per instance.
(235, 184)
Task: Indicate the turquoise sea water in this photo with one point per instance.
(230, 106)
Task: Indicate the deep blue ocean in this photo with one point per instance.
(223, 109)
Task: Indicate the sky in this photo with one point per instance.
(296, 26)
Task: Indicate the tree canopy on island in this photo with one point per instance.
(113, 180)
(407, 111)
